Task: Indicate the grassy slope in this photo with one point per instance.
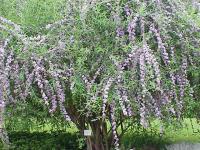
(190, 131)
(175, 133)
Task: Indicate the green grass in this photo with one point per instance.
(173, 133)
(33, 15)
(189, 131)
(71, 128)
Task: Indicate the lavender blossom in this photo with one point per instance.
(96, 74)
(39, 70)
(2, 76)
(127, 102)
(114, 125)
(53, 103)
(29, 81)
(86, 81)
(61, 97)
(123, 98)
(131, 28)
(182, 90)
(172, 54)
(120, 32)
(105, 95)
(127, 10)
(143, 120)
(151, 60)
(130, 59)
(6, 21)
(121, 102)
(183, 80)
(18, 91)
(142, 71)
(161, 45)
(51, 95)
(9, 61)
(6, 76)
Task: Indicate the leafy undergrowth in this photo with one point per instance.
(46, 141)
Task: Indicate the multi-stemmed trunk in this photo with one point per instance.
(101, 138)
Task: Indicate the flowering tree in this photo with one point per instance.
(104, 64)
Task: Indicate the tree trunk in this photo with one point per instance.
(99, 140)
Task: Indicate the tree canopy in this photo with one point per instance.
(105, 61)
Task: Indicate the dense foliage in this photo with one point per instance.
(40, 141)
(105, 64)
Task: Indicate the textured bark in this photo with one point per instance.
(102, 137)
(100, 140)
(97, 139)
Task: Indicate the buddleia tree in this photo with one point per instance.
(105, 64)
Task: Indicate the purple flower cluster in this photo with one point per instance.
(53, 102)
(121, 92)
(182, 81)
(179, 103)
(121, 102)
(2, 76)
(161, 45)
(105, 95)
(61, 96)
(4, 92)
(59, 93)
(29, 81)
(39, 71)
(142, 110)
(9, 61)
(127, 10)
(151, 60)
(6, 21)
(131, 28)
(51, 95)
(172, 54)
(7, 71)
(86, 81)
(18, 91)
(120, 32)
(173, 94)
(142, 71)
(123, 98)
(96, 74)
(114, 125)
(127, 102)
(16, 31)
(131, 58)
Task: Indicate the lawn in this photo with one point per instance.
(46, 137)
